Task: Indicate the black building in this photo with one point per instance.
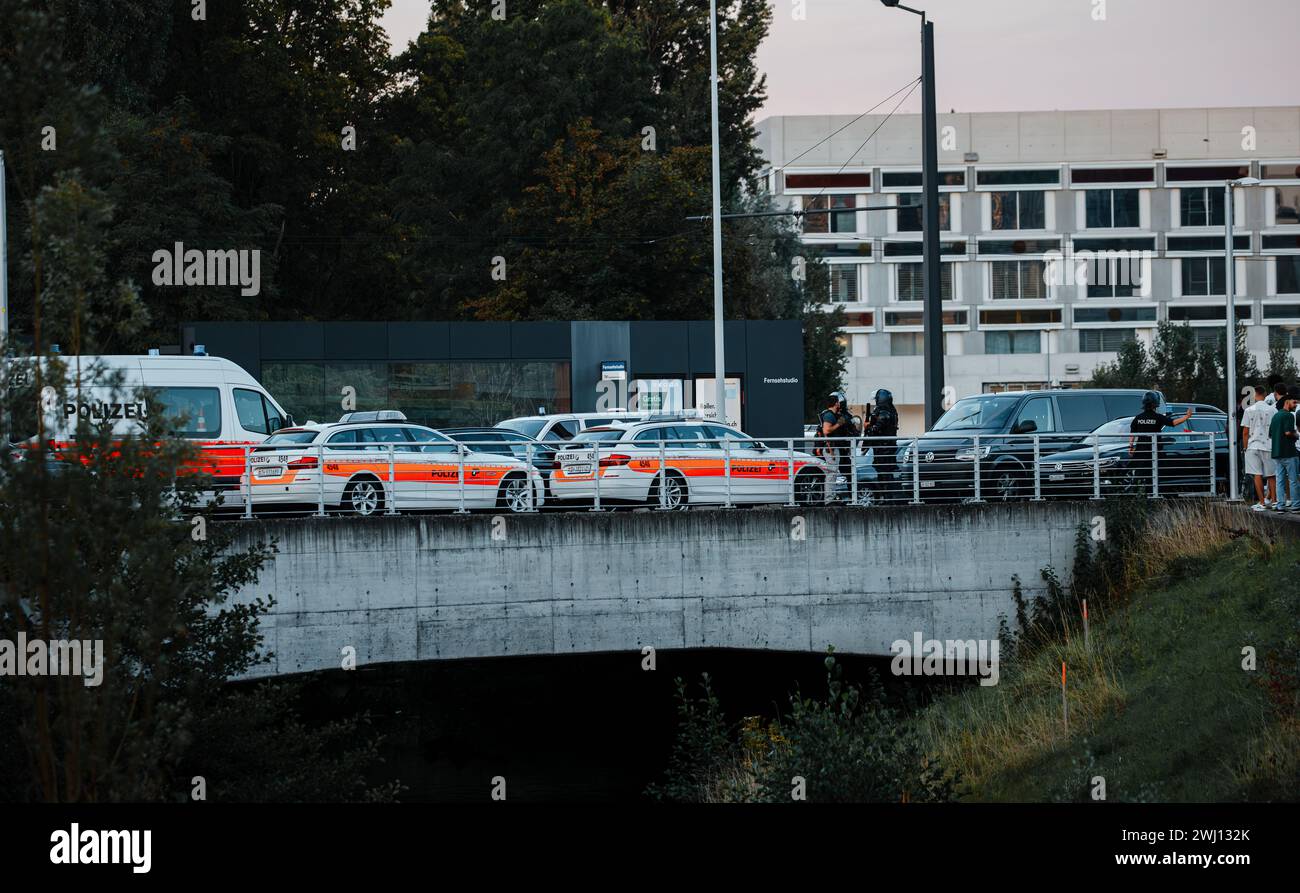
(472, 373)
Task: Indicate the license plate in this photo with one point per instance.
(1056, 477)
(268, 472)
(927, 483)
(577, 469)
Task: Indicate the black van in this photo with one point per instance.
(946, 463)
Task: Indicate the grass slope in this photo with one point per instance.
(1160, 706)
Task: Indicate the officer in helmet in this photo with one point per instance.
(883, 423)
(1146, 424)
(835, 421)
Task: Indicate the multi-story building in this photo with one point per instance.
(1024, 198)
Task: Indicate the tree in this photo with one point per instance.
(1177, 367)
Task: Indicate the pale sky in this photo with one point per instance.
(844, 56)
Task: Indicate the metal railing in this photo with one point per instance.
(386, 478)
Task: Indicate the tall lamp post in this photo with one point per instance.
(719, 342)
(1230, 282)
(932, 309)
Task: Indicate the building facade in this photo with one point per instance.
(1063, 235)
(478, 373)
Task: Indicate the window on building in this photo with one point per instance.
(1200, 206)
(1288, 275)
(1114, 314)
(1018, 280)
(1286, 205)
(1111, 208)
(906, 344)
(911, 282)
(1104, 340)
(1209, 336)
(843, 283)
(1204, 276)
(835, 222)
(1284, 336)
(1049, 177)
(1012, 342)
(1018, 210)
(911, 206)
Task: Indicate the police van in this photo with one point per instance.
(214, 402)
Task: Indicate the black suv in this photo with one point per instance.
(1060, 418)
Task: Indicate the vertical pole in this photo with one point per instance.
(1038, 471)
(853, 470)
(976, 456)
(719, 347)
(789, 470)
(1230, 278)
(1096, 467)
(1155, 466)
(726, 461)
(460, 478)
(1213, 467)
(932, 313)
(916, 472)
(320, 481)
(392, 483)
(663, 475)
(248, 484)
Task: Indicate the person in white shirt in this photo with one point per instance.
(1259, 448)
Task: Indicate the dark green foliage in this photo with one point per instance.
(850, 747)
(1183, 372)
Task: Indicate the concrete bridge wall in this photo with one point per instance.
(410, 588)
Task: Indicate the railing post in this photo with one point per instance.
(460, 479)
(248, 482)
(789, 470)
(1096, 467)
(1038, 471)
(320, 480)
(528, 461)
(726, 466)
(916, 471)
(1155, 466)
(976, 456)
(1213, 438)
(663, 474)
(853, 470)
(595, 473)
(392, 484)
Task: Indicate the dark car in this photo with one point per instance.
(1102, 463)
(1007, 427)
(505, 442)
(1177, 409)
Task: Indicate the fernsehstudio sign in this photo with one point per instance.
(613, 370)
(780, 381)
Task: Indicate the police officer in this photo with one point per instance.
(1147, 424)
(835, 421)
(884, 423)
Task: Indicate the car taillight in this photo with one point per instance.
(616, 459)
(304, 462)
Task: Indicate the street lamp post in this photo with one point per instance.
(719, 343)
(932, 309)
(1230, 283)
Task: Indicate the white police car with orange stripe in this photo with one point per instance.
(369, 462)
(674, 461)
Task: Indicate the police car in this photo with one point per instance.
(368, 462)
(676, 461)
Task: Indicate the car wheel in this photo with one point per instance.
(364, 497)
(806, 490)
(516, 495)
(1006, 484)
(674, 492)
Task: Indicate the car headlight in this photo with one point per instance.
(969, 455)
(1108, 460)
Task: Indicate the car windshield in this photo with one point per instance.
(988, 411)
(531, 427)
(290, 437)
(598, 434)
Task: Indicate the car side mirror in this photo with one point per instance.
(1028, 426)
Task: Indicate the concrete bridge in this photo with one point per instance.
(441, 587)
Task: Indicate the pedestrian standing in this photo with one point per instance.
(1282, 431)
(1259, 463)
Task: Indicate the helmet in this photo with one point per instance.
(1150, 400)
(839, 397)
(883, 396)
